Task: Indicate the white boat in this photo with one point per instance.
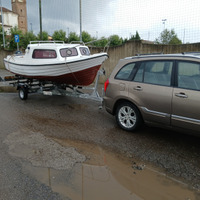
(57, 62)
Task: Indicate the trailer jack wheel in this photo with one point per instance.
(23, 93)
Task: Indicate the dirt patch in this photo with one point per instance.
(42, 151)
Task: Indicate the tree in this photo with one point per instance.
(59, 35)
(15, 31)
(27, 37)
(135, 37)
(73, 37)
(115, 40)
(100, 43)
(44, 35)
(168, 37)
(86, 37)
(124, 40)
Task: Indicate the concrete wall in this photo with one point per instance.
(131, 48)
(128, 49)
(3, 54)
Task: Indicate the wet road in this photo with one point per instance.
(170, 160)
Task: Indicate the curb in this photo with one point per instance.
(8, 89)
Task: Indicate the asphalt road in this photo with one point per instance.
(175, 154)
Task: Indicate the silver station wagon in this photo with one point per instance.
(160, 90)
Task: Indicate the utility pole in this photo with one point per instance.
(184, 37)
(40, 11)
(2, 25)
(31, 27)
(80, 21)
(68, 32)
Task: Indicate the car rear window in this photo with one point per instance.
(125, 72)
(44, 54)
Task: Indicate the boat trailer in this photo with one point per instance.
(26, 86)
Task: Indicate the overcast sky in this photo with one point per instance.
(121, 17)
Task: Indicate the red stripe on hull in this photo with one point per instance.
(83, 77)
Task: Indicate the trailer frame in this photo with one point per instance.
(27, 86)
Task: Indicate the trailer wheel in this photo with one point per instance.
(23, 93)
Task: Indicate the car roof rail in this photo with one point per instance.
(146, 54)
(192, 53)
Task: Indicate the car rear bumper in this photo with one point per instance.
(108, 103)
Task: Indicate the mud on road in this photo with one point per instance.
(144, 155)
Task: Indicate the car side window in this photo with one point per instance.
(158, 72)
(125, 72)
(155, 72)
(189, 75)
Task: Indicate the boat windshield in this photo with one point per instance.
(67, 52)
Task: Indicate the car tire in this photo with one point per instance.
(128, 117)
(23, 93)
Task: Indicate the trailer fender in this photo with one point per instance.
(23, 86)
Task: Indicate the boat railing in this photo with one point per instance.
(81, 42)
(106, 46)
(47, 41)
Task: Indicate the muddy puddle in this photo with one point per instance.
(106, 175)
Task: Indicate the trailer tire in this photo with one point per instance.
(23, 93)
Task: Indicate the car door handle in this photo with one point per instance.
(181, 95)
(138, 88)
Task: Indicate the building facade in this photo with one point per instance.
(19, 7)
(10, 19)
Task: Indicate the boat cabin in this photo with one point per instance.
(56, 51)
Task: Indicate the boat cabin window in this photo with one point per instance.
(68, 52)
(42, 53)
(84, 51)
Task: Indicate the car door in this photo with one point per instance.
(186, 96)
(151, 90)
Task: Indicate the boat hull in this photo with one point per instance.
(82, 72)
(83, 77)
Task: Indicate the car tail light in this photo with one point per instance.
(106, 85)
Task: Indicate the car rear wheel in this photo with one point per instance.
(128, 116)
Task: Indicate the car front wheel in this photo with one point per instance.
(128, 116)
